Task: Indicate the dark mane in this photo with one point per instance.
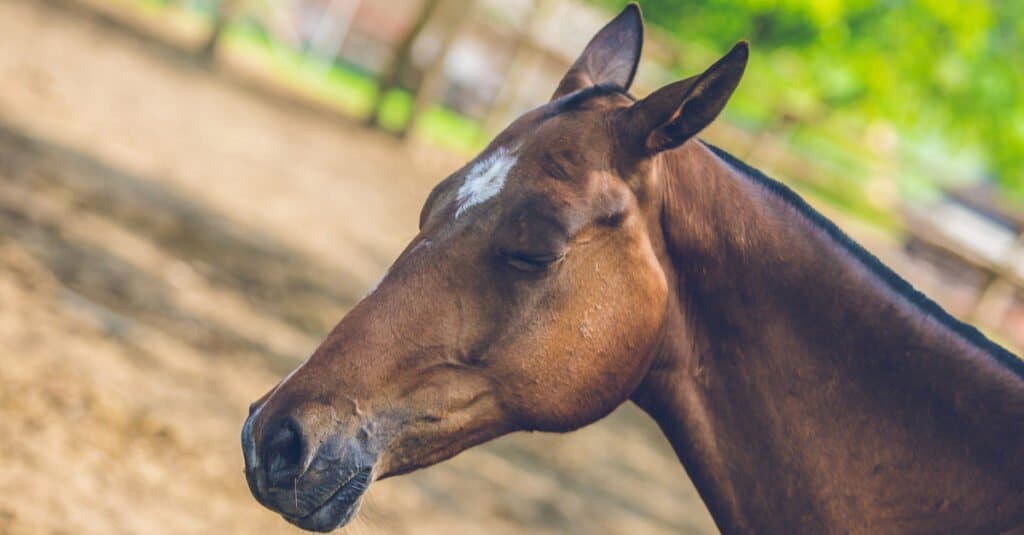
(574, 101)
(894, 281)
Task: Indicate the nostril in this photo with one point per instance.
(284, 454)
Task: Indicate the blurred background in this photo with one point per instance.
(193, 192)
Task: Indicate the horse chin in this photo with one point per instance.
(339, 509)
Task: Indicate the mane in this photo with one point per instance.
(575, 100)
(886, 274)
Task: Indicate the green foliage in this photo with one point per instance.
(944, 74)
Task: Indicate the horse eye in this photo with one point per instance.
(531, 262)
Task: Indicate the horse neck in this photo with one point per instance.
(803, 388)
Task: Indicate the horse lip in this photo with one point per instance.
(358, 481)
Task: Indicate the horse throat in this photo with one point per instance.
(805, 391)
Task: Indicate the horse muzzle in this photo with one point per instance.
(314, 483)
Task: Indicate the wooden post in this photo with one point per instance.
(1000, 281)
(455, 14)
(524, 55)
(400, 60)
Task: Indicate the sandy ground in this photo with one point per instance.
(170, 245)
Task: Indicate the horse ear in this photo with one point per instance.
(675, 113)
(611, 56)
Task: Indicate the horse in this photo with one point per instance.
(598, 251)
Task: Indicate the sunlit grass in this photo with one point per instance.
(351, 91)
(447, 128)
(341, 88)
(395, 110)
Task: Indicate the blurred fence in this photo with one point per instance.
(484, 60)
(453, 72)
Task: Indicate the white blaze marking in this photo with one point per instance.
(484, 180)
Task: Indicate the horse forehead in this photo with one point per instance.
(527, 142)
(486, 178)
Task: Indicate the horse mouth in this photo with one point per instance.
(339, 508)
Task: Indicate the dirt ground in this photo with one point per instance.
(170, 245)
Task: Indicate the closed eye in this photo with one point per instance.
(531, 262)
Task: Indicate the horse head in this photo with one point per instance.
(534, 296)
